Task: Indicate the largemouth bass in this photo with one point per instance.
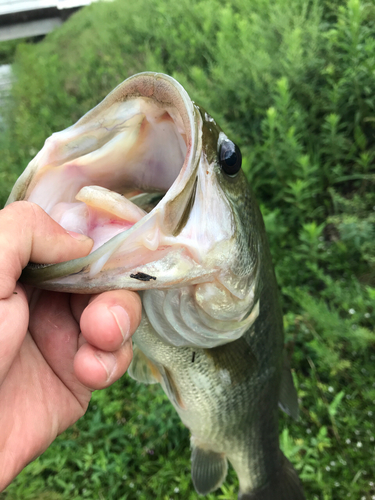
(158, 186)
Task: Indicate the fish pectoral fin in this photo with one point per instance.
(171, 389)
(142, 369)
(288, 398)
(208, 470)
(284, 486)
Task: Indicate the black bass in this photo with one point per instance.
(158, 186)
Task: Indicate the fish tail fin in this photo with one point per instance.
(286, 485)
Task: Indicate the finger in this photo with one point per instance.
(27, 233)
(110, 319)
(78, 303)
(98, 369)
(57, 336)
(55, 332)
(14, 317)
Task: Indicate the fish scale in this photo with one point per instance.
(160, 188)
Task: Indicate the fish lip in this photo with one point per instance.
(167, 90)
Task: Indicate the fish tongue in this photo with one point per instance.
(109, 213)
(112, 202)
(99, 213)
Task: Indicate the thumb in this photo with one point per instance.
(27, 233)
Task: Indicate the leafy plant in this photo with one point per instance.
(293, 83)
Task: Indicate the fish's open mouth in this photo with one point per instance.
(118, 172)
(105, 174)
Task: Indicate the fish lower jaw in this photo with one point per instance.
(104, 215)
(122, 232)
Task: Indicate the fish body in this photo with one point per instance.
(152, 178)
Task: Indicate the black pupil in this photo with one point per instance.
(230, 158)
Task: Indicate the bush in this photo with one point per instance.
(292, 82)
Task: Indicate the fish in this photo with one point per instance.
(156, 183)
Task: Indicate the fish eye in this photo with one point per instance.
(230, 157)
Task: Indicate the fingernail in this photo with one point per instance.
(122, 320)
(78, 236)
(108, 361)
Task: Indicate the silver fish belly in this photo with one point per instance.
(158, 186)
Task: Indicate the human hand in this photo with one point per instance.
(55, 348)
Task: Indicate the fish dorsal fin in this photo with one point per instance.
(288, 398)
(208, 470)
(142, 369)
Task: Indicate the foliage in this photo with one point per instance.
(292, 82)
(8, 50)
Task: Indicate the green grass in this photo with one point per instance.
(292, 82)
